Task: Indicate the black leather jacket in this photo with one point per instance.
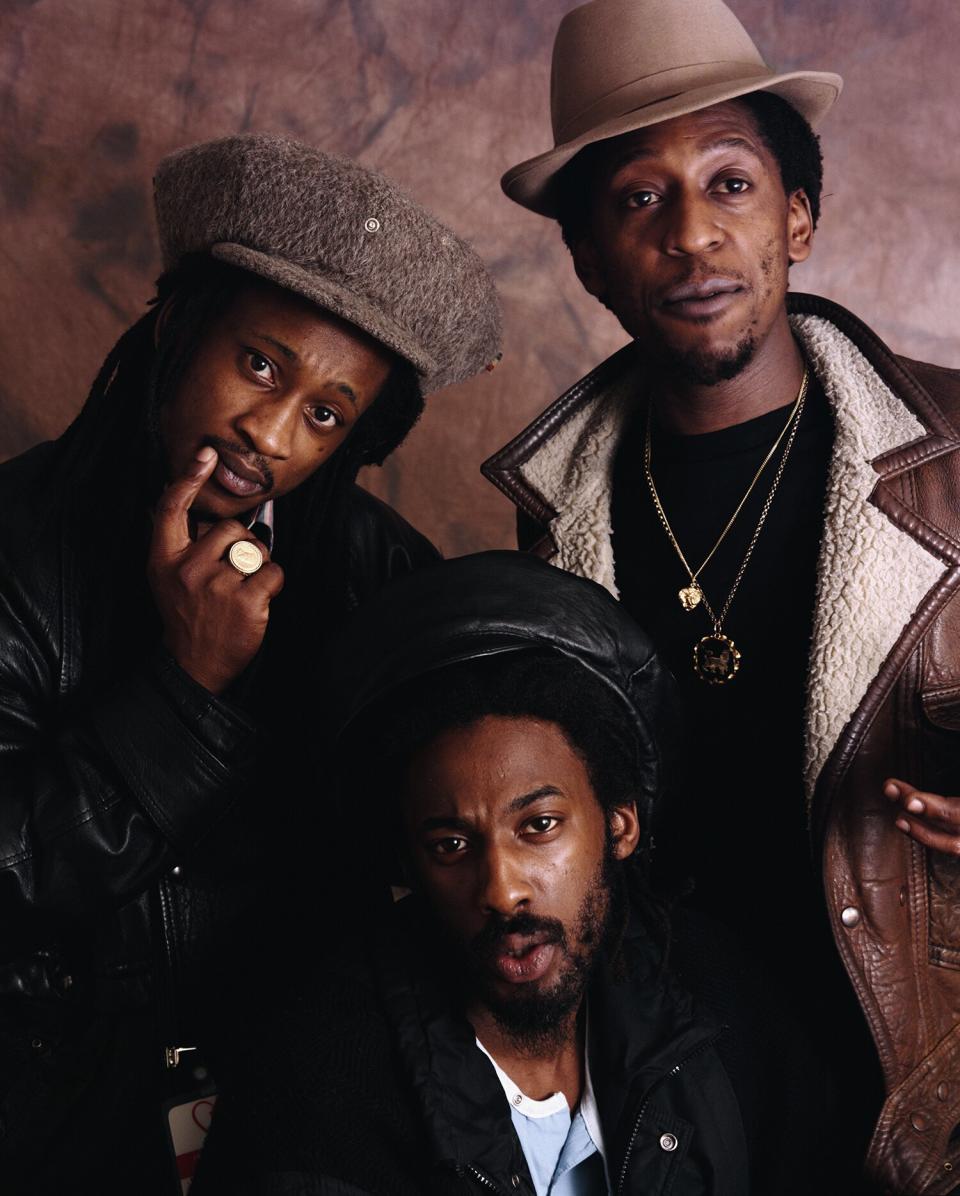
(137, 832)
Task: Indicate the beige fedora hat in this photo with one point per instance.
(620, 65)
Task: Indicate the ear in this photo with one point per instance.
(624, 830)
(799, 227)
(586, 262)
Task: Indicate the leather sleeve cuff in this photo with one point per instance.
(184, 753)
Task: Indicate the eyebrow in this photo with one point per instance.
(291, 354)
(521, 803)
(456, 823)
(716, 143)
(347, 391)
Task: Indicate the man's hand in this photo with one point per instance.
(214, 618)
(929, 818)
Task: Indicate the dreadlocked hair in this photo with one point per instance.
(537, 683)
(119, 425)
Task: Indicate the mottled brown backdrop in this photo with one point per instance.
(442, 95)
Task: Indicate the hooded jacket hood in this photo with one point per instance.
(496, 602)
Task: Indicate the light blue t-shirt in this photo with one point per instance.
(564, 1154)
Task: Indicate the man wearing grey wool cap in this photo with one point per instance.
(170, 568)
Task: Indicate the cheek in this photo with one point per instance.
(773, 266)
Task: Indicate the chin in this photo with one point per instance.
(708, 365)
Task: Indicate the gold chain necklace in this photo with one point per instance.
(716, 658)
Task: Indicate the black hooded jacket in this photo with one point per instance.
(368, 1082)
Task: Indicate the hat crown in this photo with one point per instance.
(612, 56)
(340, 235)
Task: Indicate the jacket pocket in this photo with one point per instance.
(659, 1163)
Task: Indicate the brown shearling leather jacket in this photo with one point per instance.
(883, 691)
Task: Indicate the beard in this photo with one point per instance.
(701, 368)
(538, 1020)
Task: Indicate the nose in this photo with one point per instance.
(268, 426)
(505, 884)
(691, 226)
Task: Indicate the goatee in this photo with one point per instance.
(701, 368)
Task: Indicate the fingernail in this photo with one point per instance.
(892, 790)
(915, 805)
(206, 454)
(903, 825)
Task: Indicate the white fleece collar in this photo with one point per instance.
(871, 575)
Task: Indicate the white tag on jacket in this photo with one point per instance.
(188, 1123)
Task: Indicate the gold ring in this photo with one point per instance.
(245, 557)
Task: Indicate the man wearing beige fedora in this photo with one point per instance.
(774, 495)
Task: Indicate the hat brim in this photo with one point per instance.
(531, 183)
(330, 295)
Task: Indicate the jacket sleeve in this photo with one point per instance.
(98, 796)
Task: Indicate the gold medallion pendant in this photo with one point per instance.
(716, 659)
(690, 596)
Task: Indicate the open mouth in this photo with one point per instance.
(519, 959)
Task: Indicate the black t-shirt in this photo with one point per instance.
(735, 824)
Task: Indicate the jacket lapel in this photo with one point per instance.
(872, 574)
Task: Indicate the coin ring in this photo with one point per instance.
(245, 557)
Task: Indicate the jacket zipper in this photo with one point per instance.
(675, 1070)
(484, 1180)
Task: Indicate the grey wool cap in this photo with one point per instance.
(340, 235)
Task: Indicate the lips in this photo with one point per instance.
(696, 300)
(522, 958)
(237, 476)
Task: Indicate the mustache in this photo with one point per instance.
(255, 460)
(488, 942)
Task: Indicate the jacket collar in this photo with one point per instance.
(878, 561)
(642, 1023)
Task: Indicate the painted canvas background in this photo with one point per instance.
(443, 95)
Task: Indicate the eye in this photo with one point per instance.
(451, 845)
(541, 824)
(734, 186)
(260, 365)
(642, 199)
(325, 417)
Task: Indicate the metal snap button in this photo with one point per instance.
(371, 224)
(176, 871)
(850, 917)
(518, 1099)
(668, 1142)
(920, 1121)
(943, 1091)
(515, 1180)
(37, 1044)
